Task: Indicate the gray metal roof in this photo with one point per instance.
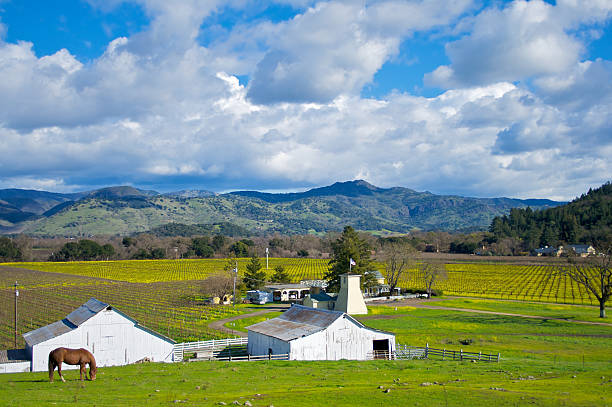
(86, 311)
(47, 332)
(296, 322)
(321, 297)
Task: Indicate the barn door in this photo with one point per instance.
(381, 348)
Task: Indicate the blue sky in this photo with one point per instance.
(469, 97)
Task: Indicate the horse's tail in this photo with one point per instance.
(51, 365)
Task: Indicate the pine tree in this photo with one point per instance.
(280, 275)
(254, 277)
(349, 246)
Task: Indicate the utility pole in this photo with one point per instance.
(16, 295)
(266, 258)
(235, 276)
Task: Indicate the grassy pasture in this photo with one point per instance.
(547, 363)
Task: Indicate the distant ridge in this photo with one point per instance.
(348, 188)
(120, 192)
(123, 210)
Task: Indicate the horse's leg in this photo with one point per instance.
(83, 370)
(59, 370)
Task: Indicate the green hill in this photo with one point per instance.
(125, 210)
(587, 219)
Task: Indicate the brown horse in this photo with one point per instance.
(72, 357)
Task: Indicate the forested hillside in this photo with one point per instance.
(587, 219)
(127, 210)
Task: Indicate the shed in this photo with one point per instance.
(113, 338)
(318, 334)
(287, 292)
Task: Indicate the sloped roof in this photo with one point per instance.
(321, 297)
(296, 322)
(86, 311)
(47, 332)
(75, 319)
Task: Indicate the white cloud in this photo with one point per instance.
(522, 40)
(175, 111)
(336, 48)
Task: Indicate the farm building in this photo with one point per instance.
(287, 292)
(318, 334)
(349, 299)
(113, 338)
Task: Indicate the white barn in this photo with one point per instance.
(113, 338)
(317, 334)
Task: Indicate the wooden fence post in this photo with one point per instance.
(479, 355)
(498, 358)
(461, 354)
(426, 351)
(443, 353)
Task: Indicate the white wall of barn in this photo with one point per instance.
(343, 339)
(259, 344)
(113, 339)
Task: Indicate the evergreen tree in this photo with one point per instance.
(280, 275)
(349, 246)
(254, 277)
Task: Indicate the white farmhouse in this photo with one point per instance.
(113, 338)
(317, 334)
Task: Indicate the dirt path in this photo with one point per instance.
(421, 304)
(219, 324)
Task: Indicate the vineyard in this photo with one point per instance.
(508, 281)
(166, 295)
(174, 309)
(152, 271)
(490, 280)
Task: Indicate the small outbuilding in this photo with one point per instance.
(287, 292)
(318, 334)
(113, 338)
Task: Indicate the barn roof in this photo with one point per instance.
(75, 319)
(86, 311)
(296, 322)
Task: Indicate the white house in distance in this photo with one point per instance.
(316, 334)
(113, 338)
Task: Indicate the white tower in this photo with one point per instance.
(350, 299)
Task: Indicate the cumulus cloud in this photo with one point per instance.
(336, 48)
(524, 39)
(158, 108)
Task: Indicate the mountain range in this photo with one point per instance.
(126, 210)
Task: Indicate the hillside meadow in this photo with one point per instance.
(543, 362)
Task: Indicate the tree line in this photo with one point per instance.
(587, 220)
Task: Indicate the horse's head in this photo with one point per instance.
(92, 372)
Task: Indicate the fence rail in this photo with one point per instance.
(403, 352)
(215, 344)
(249, 358)
(411, 352)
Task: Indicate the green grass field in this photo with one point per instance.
(545, 363)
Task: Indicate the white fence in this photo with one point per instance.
(215, 344)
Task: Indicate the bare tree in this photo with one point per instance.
(431, 273)
(398, 259)
(219, 284)
(593, 274)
